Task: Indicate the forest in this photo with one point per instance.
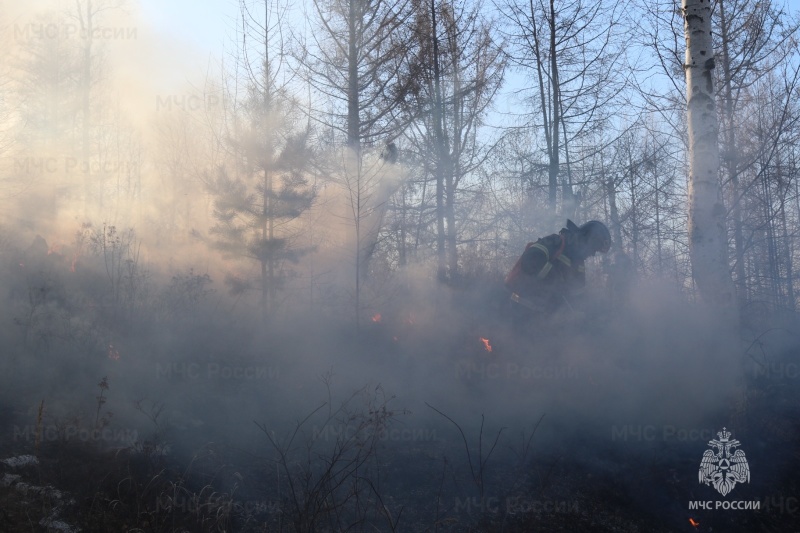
(252, 280)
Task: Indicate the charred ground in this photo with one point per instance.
(151, 402)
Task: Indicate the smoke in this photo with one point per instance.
(148, 308)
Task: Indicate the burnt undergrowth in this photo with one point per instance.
(150, 403)
(361, 462)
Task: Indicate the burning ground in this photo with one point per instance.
(176, 410)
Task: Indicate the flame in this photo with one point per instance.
(694, 522)
(376, 317)
(486, 344)
(55, 248)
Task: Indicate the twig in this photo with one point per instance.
(481, 460)
(38, 438)
(757, 340)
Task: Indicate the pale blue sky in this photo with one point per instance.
(204, 24)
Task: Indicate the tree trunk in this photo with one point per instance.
(773, 270)
(401, 248)
(787, 255)
(635, 226)
(658, 229)
(543, 99)
(731, 161)
(707, 234)
(268, 285)
(613, 211)
(353, 104)
(438, 111)
(453, 145)
(555, 111)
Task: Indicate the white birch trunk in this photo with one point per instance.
(707, 234)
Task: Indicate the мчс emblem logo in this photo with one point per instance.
(724, 469)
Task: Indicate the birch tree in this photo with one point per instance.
(707, 232)
(751, 39)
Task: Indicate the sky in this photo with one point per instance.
(201, 28)
(204, 25)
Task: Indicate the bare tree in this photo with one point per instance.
(369, 180)
(458, 70)
(768, 138)
(571, 50)
(751, 40)
(354, 63)
(88, 14)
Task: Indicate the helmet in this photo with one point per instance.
(597, 236)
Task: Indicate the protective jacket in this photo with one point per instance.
(548, 273)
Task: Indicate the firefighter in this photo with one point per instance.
(550, 273)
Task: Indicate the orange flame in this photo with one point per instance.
(486, 344)
(376, 317)
(694, 522)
